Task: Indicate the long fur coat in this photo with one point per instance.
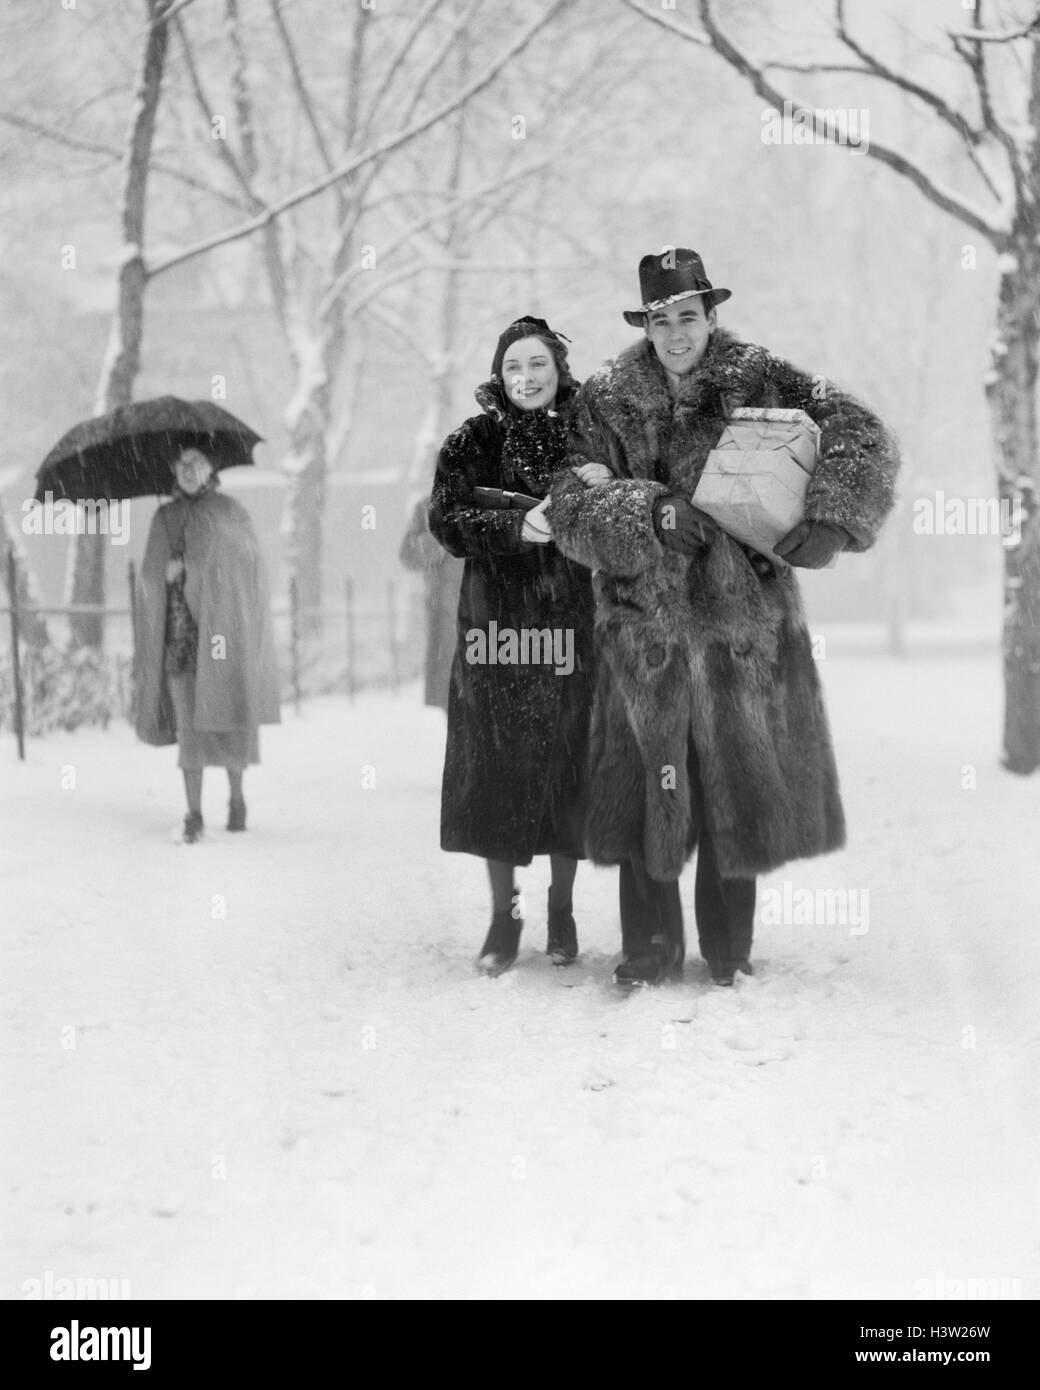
(708, 703)
(514, 763)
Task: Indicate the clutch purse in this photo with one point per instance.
(755, 480)
(504, 501)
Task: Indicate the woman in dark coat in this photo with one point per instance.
(518, 707)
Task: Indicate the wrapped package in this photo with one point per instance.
(755, 479)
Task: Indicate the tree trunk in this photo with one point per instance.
(85, 581)
(453, 239)
(437, 415)
(310, 416)
(431, 432)
(1011, 392)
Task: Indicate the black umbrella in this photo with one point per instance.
(130, 452)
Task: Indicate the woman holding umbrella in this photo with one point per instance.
(204, 664)
(206, 673)
(514, 768)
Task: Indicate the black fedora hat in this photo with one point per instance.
(669, 275)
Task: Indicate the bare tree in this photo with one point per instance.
(318, 350)
(325, 283)
(996, 131)
(576, 84)
(86, 574)
(404, 134)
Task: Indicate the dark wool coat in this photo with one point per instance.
(442, 577)
(514, 766)
(225, 586)
(708, 702)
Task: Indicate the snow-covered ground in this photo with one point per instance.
(263, 1065)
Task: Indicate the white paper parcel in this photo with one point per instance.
(755, 479)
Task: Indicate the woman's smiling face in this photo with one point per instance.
(529, 374)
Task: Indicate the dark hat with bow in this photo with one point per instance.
(670, 275)
(526, 327)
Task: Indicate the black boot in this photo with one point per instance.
(663, 961)
(236, 819)
(502, 941)
(652, 936)
(193, 827)
(725, 974)
(562, 944)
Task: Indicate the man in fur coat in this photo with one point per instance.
(708, 728)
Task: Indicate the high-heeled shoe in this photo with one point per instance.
(502, 942)
(193, 827)
(562, 943)
(236, 819)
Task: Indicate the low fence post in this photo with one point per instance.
(294, 640)
(350, 639)
(16, 661)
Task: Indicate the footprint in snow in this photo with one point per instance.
(754, 1052)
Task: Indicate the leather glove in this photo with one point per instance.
(812, 544)
(682, 526)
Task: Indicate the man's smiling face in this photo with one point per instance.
(680, 333)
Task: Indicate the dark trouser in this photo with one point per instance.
(651, 912)
(725, 910)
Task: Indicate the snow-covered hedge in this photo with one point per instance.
(65, 688)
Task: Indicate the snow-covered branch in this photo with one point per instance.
(75, 142)
(446, 210)
(973, 54)
(418, 24)
(955, 119)
(299, 85)
(172, 12)
(395, 140)
(222, 147)
(824, 126)
(656, 17)
(1031, 28)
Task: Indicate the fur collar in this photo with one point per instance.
(531, 444)
(633, 388)
(493, 401)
